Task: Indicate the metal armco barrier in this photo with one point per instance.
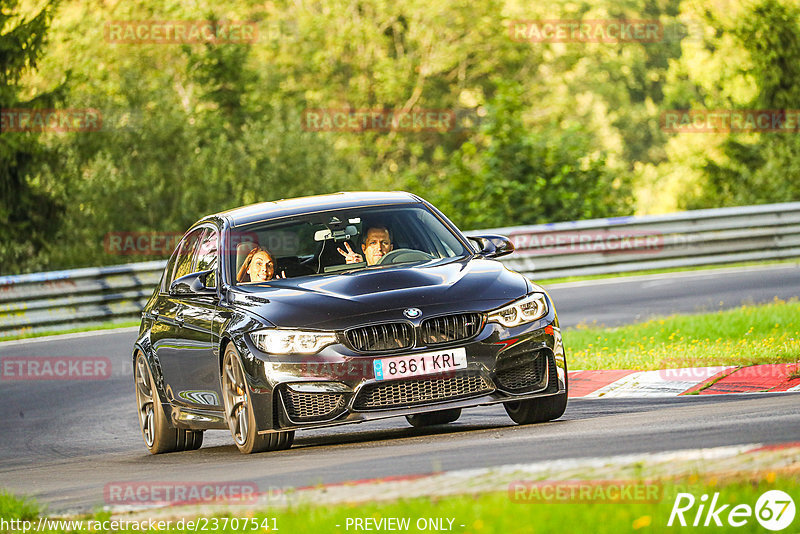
(61, 300)
(625, 244)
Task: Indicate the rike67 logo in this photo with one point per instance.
(774, 510)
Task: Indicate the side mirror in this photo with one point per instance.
(492, 245)
(192, 284)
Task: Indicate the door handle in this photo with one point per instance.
(179, 318)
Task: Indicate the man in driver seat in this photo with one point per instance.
(376, 244)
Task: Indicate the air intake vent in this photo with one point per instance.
(381, 337)
(450, 328)
(522, 372)
(399, 393)
(306, 407)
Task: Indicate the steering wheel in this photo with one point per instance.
(404, 255)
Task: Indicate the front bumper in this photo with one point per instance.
(338, 386)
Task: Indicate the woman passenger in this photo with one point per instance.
(258, 266)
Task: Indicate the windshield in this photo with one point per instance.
(338, 241)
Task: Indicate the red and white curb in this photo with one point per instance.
(693, 380)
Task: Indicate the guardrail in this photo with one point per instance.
(60, 300)
(625, 244)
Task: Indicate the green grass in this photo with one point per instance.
(747, 335)
(14, 508)
(551, 281)
(88, 328)
(498, 513)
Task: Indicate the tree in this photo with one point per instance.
(518, 176)
(750, 62)
(28, 210)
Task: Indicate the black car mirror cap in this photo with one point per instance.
(192, 284)
(492, 245)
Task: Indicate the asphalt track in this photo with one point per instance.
(63, 441)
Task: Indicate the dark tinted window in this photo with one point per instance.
(186, 253)
(207, 256)
(170, 268)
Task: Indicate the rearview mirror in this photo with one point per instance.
(338, 234)
(492, 245)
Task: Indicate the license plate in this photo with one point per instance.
(426, 363)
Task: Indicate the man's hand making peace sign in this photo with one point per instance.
(349, 255)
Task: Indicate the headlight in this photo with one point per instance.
(276, 341)
(520, 312)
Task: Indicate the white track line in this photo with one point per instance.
(661, 383)
(75, 335)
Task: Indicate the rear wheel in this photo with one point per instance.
(434, 418)
(159, 435)
(239, 410)
(540, 410)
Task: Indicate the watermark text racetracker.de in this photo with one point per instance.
(584, 491)
(681, 369)
(731, 121)
(197, 524)
(163, 243)
(172, 493)
(180, 32)
(587, 31)
(587, 241)
(364, 120)
(50, 120)
(21, 368)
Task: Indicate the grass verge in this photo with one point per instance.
(747, 335)
(513, 511)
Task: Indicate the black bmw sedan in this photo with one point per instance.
(336, 309)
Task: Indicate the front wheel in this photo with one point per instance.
(159, 436)
(434, 418)
(540, 410)
(239, 410)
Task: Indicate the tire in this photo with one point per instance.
(434, 418)
(158, 434)
(540, 410)
(239, 410)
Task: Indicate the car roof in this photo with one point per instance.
(303, 205)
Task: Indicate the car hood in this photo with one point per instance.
(338, 301)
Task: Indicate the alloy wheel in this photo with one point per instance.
(144, 400)
(234, 390)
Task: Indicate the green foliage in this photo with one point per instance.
(12, 507)
(528, 176)
(28, 209)
(762, 47)
(554, 131)
(162, 167)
